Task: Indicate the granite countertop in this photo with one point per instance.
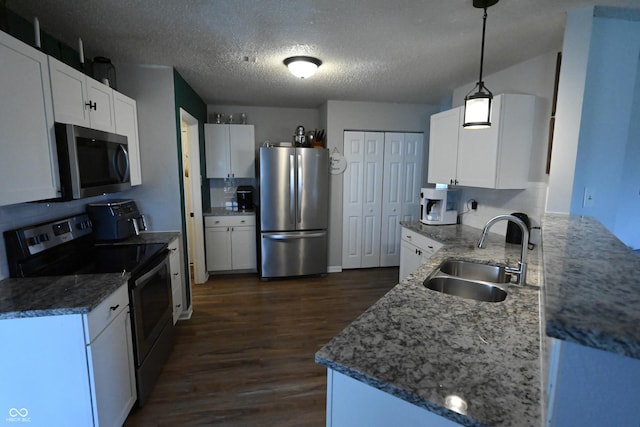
(592, 285)
(422, 345)
(223, 211)
(58, 295)
(52, 296)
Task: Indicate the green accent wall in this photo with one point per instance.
(187, 99)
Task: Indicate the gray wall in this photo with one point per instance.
(271, 123)
(344, 115)
(274, 124)
(159, 195)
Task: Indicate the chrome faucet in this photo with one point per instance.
(521, 271)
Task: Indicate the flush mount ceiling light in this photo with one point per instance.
(477, 105)
(302, 66)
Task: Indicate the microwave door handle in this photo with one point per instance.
(125, 175)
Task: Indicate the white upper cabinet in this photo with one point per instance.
(230, 151)
(79, 99)
(126, 120)
(28, 164)
(443, 145)
(496, 157)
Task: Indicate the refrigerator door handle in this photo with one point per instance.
(292, 186)
(299, 195)
(292, 236)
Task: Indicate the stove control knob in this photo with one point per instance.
(44, 237)
(31, 241)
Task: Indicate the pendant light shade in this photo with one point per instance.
(477, 108)
(302, 66)
(477, 103)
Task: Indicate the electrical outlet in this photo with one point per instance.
(588, 198)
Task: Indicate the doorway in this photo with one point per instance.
(192, 184)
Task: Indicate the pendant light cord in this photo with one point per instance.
(484, 28)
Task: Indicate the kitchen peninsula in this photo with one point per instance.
(481, 364)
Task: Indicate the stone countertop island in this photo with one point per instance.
(423, 346)
(583, 286)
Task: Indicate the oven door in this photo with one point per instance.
(151, 301)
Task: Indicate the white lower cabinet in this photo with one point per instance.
(177, 282)
(74, 369)
(351, 403)
(230, 242)
(415, 249)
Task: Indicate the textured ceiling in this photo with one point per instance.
(231, 51)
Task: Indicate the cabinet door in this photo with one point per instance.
(126, 121)
(362, 199)
(242, 149)
(69, 91)
(28, 164)
(372, 198)
(175, 267)
(218, 245)
(243, 248)
(352, 188)
(412, 176)
(217, 150)
(112, 372)
(410, 259)
(392, 198)
(443, 145)
(101, 114)
(478, 152)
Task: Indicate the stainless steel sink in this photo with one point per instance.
(470, 279)
(471, 289)
(475, 271)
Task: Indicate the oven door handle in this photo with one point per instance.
(156, 264)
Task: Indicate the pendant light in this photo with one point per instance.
(302, 66)
(477, 105)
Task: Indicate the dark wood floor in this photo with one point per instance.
(246, 357)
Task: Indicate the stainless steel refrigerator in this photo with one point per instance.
(294, 199)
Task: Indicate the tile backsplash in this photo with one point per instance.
(223, 191)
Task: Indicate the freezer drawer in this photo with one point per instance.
(295, 253)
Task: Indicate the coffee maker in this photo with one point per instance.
(244, 196)
(438, 206)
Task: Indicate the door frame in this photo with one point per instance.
(195, 242)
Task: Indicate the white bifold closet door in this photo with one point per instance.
(362, 199)
(381, 187)
(400, 191)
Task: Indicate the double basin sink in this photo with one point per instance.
(471, 280)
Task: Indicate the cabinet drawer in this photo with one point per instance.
(106, 311)
(229, 220)
(421, 241)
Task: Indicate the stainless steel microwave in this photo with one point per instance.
(91, 162)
